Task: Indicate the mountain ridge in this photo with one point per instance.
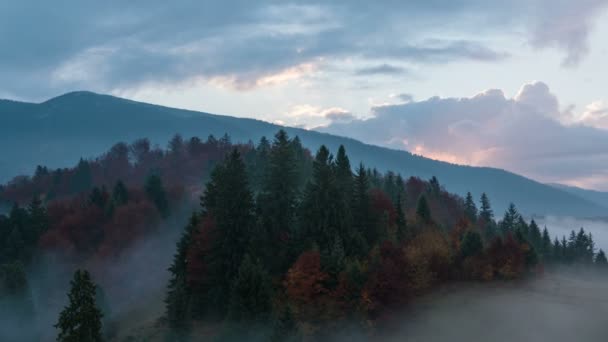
(59, 131)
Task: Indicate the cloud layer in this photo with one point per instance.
(527, 134)
(56, 46)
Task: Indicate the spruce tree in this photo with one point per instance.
(470, 209)
(80, 321)
(362, 233)
(120, 194)
(285, 326)
(228, 201)
(471, 244)
(422, 209)
(546, 246)
(486, 212)
(510, 219)
(277, 204)
(319, 214)
(251, 294)
(600, 259)
(402, 233)
(178, 292)
(156, 193)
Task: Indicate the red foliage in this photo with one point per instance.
(388, 285)
(304, 280)
(382, 204)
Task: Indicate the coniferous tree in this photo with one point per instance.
(15, 296)
(82, 180)
(250, 300)
(277, 204)
(362, 233)
(229, 203)
(470, 209)
(285, 326)
(319, 212)
(486, 212)
(402, 232)
(535, 236)
(471, 244)
(510, 219)
(156, 192)
(80, 321)
(178, 292)
(120, 194)
(600, 259)
(422, 209)
(546, 246)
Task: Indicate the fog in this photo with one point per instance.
(133, 284)
(562, 226)
(563, 306)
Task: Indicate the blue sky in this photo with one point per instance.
(466, 81)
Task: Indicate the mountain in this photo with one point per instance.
(598, 197)
(59, 131)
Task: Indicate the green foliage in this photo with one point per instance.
(471, 244)
(251, 296)
(470, 209)
(156, 192)
(229, 203)
(422, 209)
(82, 180)
(600, 259)
(80, 320)
(120, 194)
(177, 300)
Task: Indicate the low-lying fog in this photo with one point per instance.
(562, 226)
(563, 306)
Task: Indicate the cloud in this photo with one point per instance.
(566, 25)
(523, 134)
(594, 115)
(382, 69)
(102, 46)
(309, 116)
(404, 97)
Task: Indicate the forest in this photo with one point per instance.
(280, 244)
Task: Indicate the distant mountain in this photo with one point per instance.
(59, 131)
(598, 197)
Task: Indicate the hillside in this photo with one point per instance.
(82, 124)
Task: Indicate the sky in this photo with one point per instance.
(511, 84)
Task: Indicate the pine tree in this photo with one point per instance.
(546, 247)
(434, 186)
(486, 212)
(82, 180)
(15, 296)
(80, 321)
(600, 259)
(178, 292)
(510, 220)
(251, 294)
(285, 326)
(471, 244)
(402, 233)
(229, 203)
(362, 234)
(535, 236)
(156, 192)
(277, 204)
(319, 214)
(422, 209)
(120, 194)
(470, 209)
